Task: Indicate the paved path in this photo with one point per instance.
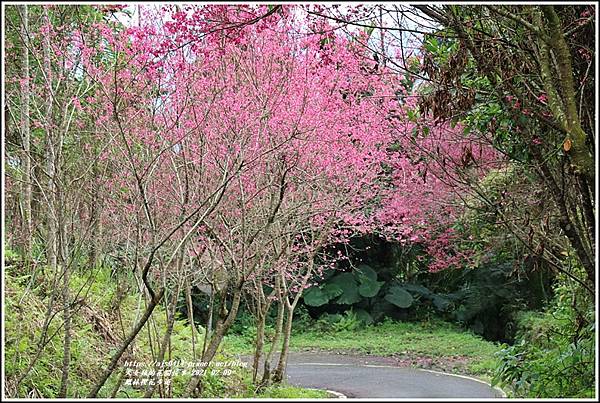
(369, 376)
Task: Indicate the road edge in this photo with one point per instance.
(502, 392)
(342, 396)
(337, 395)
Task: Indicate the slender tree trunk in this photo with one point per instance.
(216, 338)
(221, 329)
(569, 228)
(266, 378)
(55, 237)
(259, 342)
(209, 319)
(589, 217)
(51, 242)
(118, 384)
(67, 333)
(279, 374)
(26, 135)
(132, 335)
(66, 298)
(95, 218)
(165, 341)
(54, 224)
(190, 305)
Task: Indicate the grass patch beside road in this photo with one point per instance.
(435, 345)
(291, 392)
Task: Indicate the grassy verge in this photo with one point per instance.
(286, 392)
(436, 345)
(97, 331)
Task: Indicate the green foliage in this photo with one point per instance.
(555, 350)
(399, 297)
(97, 332)
(24, 320)
(344, 288)
(348, 322)
(315, 296)
(369, 288)
(349, 286)
(10, 256)
(338, 322)
(332, 290)
(244, 324)
(364, 316)
(366, 271)
(291, 392)
(483, 298)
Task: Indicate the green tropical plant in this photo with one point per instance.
(554, 355)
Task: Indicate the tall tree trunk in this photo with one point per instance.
(279, 374)
(51, 241)
(266, 377)
(26, 136)
(66, 299)
(190, 306)
(54, 224)
(570, 230)
(580, 155)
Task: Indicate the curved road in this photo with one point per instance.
(373, 377)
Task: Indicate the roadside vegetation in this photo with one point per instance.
(102, 315)
(433, 345)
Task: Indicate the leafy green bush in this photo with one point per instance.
(97, 331)
(362, 291)
(345, 288)
(244, 324)
(555, 350)
(349, 321)
(482, 299)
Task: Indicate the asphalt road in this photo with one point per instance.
(374, 377)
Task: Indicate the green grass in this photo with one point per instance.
(283, 391)
(440, 344)
(439, 339)
(91, 347)
(292, 392)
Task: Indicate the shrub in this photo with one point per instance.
(349, 321)
(554, 352)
